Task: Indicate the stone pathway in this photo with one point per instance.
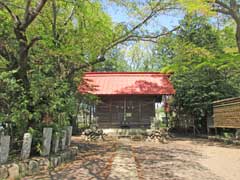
(123, 159)
(123, 165)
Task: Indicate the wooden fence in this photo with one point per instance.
(226, 113)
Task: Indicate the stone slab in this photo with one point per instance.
(69, 135)
(4, 148)
(55, 144)
(63, 139)
(26, 146)
(47, 138)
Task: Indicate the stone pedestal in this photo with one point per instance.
(63, 139)
(69, 135)
(4, 148)
(47, 138)
(26, 146)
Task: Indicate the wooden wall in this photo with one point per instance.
(226, 113)
(139, 111)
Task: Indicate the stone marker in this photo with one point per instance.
(4, 148)
(47, 138)
(69, 135)
(55, 144)
(26, 146)
(63, 140)
(33, 167)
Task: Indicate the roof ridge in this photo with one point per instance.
(127, 73)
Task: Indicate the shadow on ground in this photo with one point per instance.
(170, 162)
(93, 162)
(206, 142)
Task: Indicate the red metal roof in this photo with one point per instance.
(120, 83)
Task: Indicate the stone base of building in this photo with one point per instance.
(120, 132)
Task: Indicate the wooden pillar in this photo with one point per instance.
(110, 110)
(216, 131)
(90, 114)
(140, 111)
(166, 119)
(125, 108)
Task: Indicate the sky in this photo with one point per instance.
(119, 15)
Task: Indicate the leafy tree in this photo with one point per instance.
(47, 91)
(230, 8)
(203, 73)
(197, 30)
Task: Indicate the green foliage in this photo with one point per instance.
(13, 102)
(115, 61)
(227, 38)
(36, 140)
(199, 6)
(71, 36)
(198, 31)
(203, 73)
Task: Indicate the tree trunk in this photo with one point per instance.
(238, 36)
(22, 58)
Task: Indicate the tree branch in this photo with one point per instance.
(3, 51)
(222, 4)
(32, 15)
(223, 11)
(231, 10)
(124, 37)
(13, 16)
(54, 21)
(134, 37)
(128, 36)
(27, 10)
(6, 54)
(69, 17)
(33, 41)
(151, 38)
(154, 10)
(101, 58)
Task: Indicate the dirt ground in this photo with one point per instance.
(187, 159)
(179, 159)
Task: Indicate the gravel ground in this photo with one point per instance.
(179, 159)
